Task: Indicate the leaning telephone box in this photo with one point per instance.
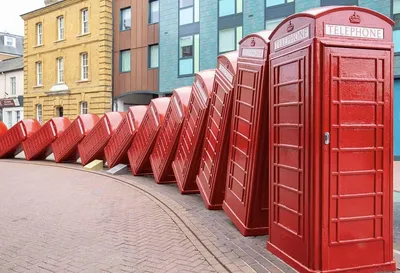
(167, 140)
(187, 160)
(11, 141)
(116, 151)
(331, 141)
(3, 128)
(38, 146)
(92, 146)
(65, 148)
(211, 179)
(146, 136)
(246, 191)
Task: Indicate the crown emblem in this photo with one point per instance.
(355, 18)
(290, 27)
(253, 43)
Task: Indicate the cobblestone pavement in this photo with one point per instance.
(78, 221)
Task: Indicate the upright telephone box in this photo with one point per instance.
(116, 151)
(143, 143)
(187, 160)
(211, 179)
(246, 192)
(167, 140)
(331, 129)
(3, 128)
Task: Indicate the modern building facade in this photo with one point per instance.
(11, 46)
(11, 91)
(136, 32)
(68, 59)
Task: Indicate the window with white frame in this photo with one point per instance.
(39, 73)
(188, 11)
(10, 41)
(39, 112)
(39, 34)
(60, 22)
(60, 70)
(229, 7)
(84, 107)
(13, 84)
(84, 66)
(85, 21)
(189, 54)
(153, 56)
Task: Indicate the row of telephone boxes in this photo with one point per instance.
(291, 136)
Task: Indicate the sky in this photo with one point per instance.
(10, 11)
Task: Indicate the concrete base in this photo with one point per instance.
(118, 170)
(95, 165)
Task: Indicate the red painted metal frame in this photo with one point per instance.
(246, 192)
(167, 140)
(92, 146)
(116, 151)
(187, 160)
(65, 148)
(38, 146)
(331, 128)
(145, 139)
(3, 128)
(211, 179)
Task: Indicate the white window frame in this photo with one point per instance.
(85, 21)
(60, 70)
(84, 107)
(13, 85)
(60, 24)
(39, 113)
(84, 66)
(39, 34)
(12, 41)
(39, 71)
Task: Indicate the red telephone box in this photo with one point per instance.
(167, 140)
(211, 179)
(65, 148)
(3, 128)
(116, 151)
(143, 143)
(11, 141)
(331, 130)
(92, 146)
(246, 192)
(38, 146)
(187, 160)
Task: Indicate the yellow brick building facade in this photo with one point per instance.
(67, 59)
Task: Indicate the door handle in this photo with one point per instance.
(327, 138)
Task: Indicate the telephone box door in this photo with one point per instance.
(357, 130)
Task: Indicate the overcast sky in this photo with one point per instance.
(10, 11)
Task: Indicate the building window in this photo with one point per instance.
(229, 39)
(396, 14)
(18, 116)
(189, 54)
(273, 23)
(153, 56)
(188, 11)
(154, 11)
(229, 7)
(125, 19)
(125, 61)
(39, 73)
(84, 107)
(271, 3)
(10, 41)
(9, 119)
(39, 113)
(60, 70)
(39, 34)
(60, 23)
(339, 2)
(85, 21)
(84, 66)
(13, 84)
(59, 111)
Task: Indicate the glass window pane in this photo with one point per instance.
(226, 7)
(271, 3)
(396, 6)
(154, 56)
(186, 16)
(126, 19)
(239, 6)
(186, 67)
(239, 35)
(396, 37)
(196, 53)
(126, 61)
(272, 24)
(227, 40)
(196, 10)
(186, 47)
(154, 12)
(185, 3)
